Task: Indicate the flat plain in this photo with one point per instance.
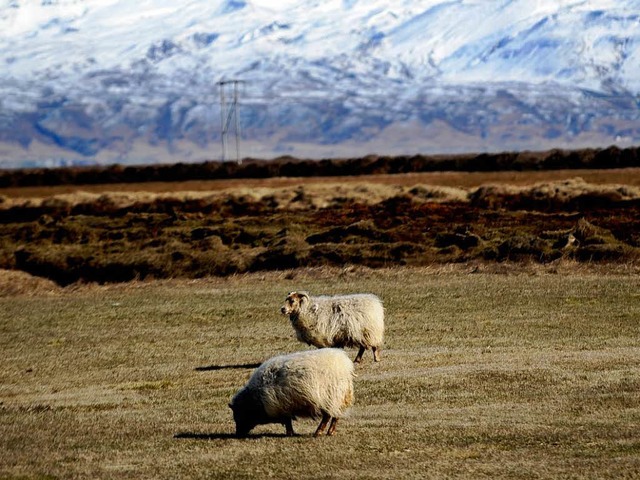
(521, 371)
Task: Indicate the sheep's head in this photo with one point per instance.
(243, 424)
(245, 413)
(295, 303)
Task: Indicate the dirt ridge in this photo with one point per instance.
(123, 236)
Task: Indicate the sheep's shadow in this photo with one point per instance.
(239, 366)
(224, 436)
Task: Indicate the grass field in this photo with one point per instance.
(523, 374)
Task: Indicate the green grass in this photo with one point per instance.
(482, 376)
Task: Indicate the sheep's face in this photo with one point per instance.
(243, 424)
(245, 414)
(294, 303)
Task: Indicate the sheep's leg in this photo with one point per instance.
(359, 356)
(323, 425)
(332, 426)
(376, 354)
(289, 426)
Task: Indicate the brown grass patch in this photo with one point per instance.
(18, 283)
(464, 180)
(122, 236)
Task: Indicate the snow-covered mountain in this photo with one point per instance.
(105, 81)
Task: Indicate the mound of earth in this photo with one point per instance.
(122, 236)
(15, 282)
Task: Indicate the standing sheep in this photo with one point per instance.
(311, 384)
(340, 321)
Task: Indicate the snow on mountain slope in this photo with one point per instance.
(119, 81)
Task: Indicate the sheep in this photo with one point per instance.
(309, 384)
(339, 321)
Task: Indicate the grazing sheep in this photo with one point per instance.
(311, 384)
(340, 321)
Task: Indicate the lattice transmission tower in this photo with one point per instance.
(229, 117)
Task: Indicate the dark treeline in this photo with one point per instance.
(611, 157)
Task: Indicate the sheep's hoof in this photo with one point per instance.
(289, 428)
(323, 425)
(332, 427)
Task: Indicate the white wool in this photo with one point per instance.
(339, 321)
(306, 384)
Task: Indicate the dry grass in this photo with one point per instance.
(15, 282)
(462, 180)
(121, 236)
(525, 374)
(320, 193)
(299, 197)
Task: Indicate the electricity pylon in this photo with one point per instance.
(229, 116)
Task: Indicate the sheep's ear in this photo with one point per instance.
(293, 294)
(314, 307)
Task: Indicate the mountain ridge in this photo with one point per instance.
(110, 82)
